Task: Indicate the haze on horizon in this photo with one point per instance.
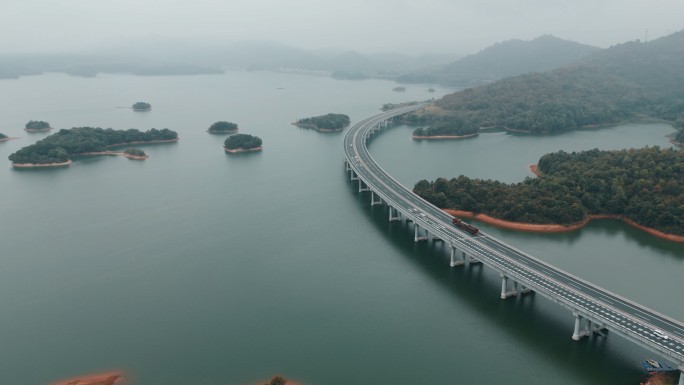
(407, 26)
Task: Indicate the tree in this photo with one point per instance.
(141, 106)
(277, 380)
(223, 126)
(243, 141)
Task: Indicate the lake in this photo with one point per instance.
(200, 267)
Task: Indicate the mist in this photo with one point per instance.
(368, 26)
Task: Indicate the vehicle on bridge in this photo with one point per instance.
(465, 226)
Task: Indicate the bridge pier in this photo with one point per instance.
(581, 330)
(361, 188)
(524, 290)
(354, 176)
(454, 261)
(681, 376)
(416, 231)
(391, 212)
(346, 165)
(505, 293)
(471, 259)
(373, 201)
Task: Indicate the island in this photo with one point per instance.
(223, 127)
(242, 143)
(37, 126)
(325, 123)
(94, 379)
(399, 89)
(58, 148)
(4, 138)
(642, 187)
(141, 106)
(135, 154)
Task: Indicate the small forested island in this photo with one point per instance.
(58, 148)
(3, 137)
(399, 89)
(448, 129)
(135, 154)
(242, 143)
(644, 187)
(325, 123)
(223, 127)
(37, 125)
(142, 106)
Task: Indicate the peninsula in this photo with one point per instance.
(242, 143)
(223, 127)
(325, 123)
(4, 138)
(58, 148)
(642, 187)
(453, 129)
(141, 106)
(37, 126)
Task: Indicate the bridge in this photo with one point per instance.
(595, 310)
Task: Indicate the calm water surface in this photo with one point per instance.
(196, 267)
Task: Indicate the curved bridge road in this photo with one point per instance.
(595, 309)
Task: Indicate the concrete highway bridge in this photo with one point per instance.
(594, 309)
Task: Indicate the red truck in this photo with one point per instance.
(469, 228)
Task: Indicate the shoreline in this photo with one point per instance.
(556, 228)
(219, 132)
(114, 153)
(38, 129)
(38, 165)
(8, 139)
(442, 137)
(110, 378)
(144, 142)
(312, 127)
(240, 149)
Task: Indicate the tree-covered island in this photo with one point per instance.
(58, 148)
(325, 123)
(644, 187)
(242, 143)
(223, 127)
(37, 126)
(3, 137)
(135, 154)
(141, 106)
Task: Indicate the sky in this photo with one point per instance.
(407, 26)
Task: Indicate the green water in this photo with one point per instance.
(198, 267)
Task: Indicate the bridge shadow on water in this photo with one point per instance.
(535, 322)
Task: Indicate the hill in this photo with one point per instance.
(508, 58)
(628, 81)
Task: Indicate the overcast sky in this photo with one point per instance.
(453, 26)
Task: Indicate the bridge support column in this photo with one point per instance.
(391, 214)
(505, 293)
(580, 330)
(471, 259)
(353, 175)
(361, 186)
(454, 261)
(681, 376)
(373, 201)
(416, 232)
(524, 290)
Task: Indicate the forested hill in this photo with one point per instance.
(508, 58)
(623, 82)
(645, 185)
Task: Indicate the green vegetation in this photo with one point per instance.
(680, 137)
(277, 380)
(629, 81)
(391, 106)
(223, 127)
(58, 147)
(142, 106)
(451, 127)
(645, 185)
(134, 152)
(37, 125)
(331, 122)
(243, 141)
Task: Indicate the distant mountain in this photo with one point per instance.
(161, 56)
(627, 81)
(509, 58)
